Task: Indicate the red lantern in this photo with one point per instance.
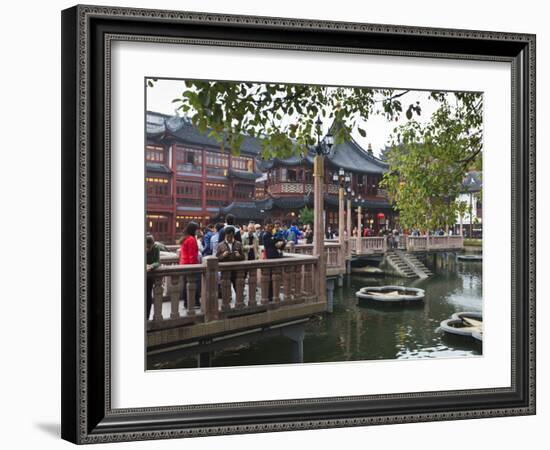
(380, 215)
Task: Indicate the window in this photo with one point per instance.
(216, 163)
(260, 192)
(157, 186)
(292, 175)
(243, 192)
(188, 160)
(217, 194)
(373, 182)
(188, 193)
(157, 225)
(155, 154)
(242, 163)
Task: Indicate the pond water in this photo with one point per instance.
(370, 332)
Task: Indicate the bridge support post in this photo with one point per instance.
(296, 335)
(340, 280)
(330, 295)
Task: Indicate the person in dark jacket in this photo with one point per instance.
(309, 234)
(273, 246)
(230, 250)
(207, 249)
(153, 261)
(230, 222)
(273, 243)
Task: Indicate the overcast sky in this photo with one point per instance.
(378, 128)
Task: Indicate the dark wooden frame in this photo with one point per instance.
(87, 416)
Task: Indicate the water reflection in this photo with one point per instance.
(368, 332)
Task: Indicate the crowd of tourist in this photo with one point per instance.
(231, 242)
(228, 242)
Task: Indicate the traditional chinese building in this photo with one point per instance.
(188, 177)
(288, 186)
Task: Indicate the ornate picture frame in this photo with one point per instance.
(87, 35)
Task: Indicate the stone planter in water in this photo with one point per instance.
(391, 294)
(457, 326)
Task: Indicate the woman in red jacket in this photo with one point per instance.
(189, 254)
(189, 249)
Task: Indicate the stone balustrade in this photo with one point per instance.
(368, 245)
(335, 255)
(231, 288)
(429, 243)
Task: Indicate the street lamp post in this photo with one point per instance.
(322, 149)
(359, 217)
(348, 217)
(342, 179)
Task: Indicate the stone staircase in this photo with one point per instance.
(399, 265)
(406, 264)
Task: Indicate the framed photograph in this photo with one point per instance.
(281, 224)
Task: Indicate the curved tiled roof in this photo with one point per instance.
(348, 155)
(244, 175)
(157, 167)
(182, 129)
(240, 210)
(351, 156)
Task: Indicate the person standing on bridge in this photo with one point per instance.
(294, 234)
(230, 223)
(215, 239)
(251, 243)
(230, 250)
(189, 254)
(153, 261)
(209, 232)
(273, 245)
(308, 234)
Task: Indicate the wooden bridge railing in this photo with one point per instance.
(426, 243)
(335, 255)
(367, 245)
(257, 285)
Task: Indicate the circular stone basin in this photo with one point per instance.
(470, 257)
(390, 294)
(466, 324)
